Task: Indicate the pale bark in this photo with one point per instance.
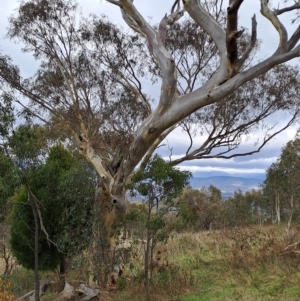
(277, 207)
(289, 226)
(271, 16)
(215, 31)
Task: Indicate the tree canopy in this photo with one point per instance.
(90, 83)
(282, 186)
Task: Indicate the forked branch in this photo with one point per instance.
(272, 17)
(155, 145)
(168, 20)
(204, 152)
(156, 44)
(209, 25)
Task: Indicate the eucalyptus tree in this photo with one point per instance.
(290, 170)
(283, 182)
(91, 82)
(272, 191)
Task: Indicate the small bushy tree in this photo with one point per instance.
(64, 191)
(159, 183)
(200, 208)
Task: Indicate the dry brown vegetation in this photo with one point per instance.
(254, 263)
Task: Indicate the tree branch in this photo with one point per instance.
(37, 207)
(204, 96)
(294, 39)
(189, 103)
(157, 48)
(209, 25)
(176, 3)
(155, 145)
(168, 20)
(272, 17)
(240, 62)
(222, 155)
(287, 9)
(115, 3)
(215, 31)
(186, 128)
(232, 34)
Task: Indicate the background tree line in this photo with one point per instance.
(277, 201)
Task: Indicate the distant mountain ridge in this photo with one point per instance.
(227, 184)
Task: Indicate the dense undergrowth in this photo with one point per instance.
(255, 263)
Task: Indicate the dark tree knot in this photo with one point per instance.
(152, 130)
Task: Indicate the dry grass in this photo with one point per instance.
(247, 264)
(241, 264)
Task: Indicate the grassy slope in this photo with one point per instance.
(243, 264)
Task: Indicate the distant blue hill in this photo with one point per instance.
(228, 185)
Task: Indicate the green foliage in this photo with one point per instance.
(7, 117)
(159, 180)
(204, 209)
(28, 142)
(65, 190)
(200, 208)
(22, 237)
(157, 183)
(281, 187)
(22, 281)
(8, 182)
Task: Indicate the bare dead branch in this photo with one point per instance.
(115, 3)
(287, 9)
(232, 34)
(294, 39)
(292, 245)
(240, 62)
(155, 146)
(272, 17)
(26, 296)
(290, 252)
(168, 20)
(176, 3)
(265, 141)
(37, 207)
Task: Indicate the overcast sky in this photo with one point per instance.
(250, 166)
